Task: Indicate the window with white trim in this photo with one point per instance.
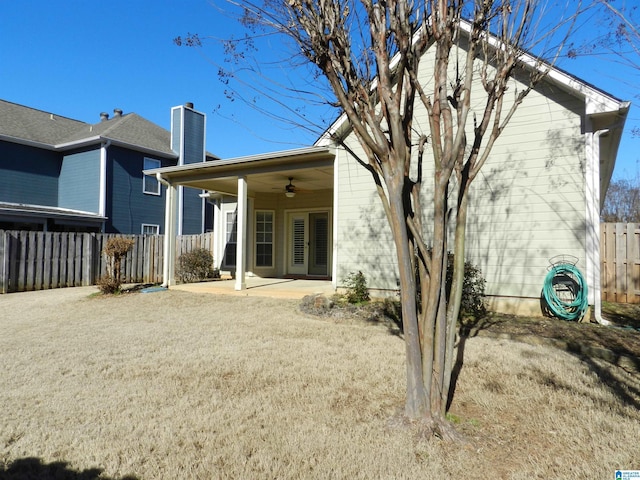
(149, 229)
(264, 239)
(150, 184)
(231, 236)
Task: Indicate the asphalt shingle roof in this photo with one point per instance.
(25, 123)
(131, 129)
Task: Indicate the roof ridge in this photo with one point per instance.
(114, 122)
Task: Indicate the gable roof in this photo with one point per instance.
(26, 125)
(598, 103)
(128, 130)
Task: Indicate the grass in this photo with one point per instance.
(622, 314)
(188, 386)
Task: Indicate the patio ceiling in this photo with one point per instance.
(311, 169)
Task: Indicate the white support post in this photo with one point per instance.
(168, 266)
(241, 245)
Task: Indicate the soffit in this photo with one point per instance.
(311, 169)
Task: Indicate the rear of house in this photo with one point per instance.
(315, 213)
(538, 196)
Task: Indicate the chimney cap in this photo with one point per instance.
(189, 105)
(104, 116)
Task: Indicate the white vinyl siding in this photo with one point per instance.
(527, 205)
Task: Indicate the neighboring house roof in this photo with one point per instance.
(130, 129)
(26, 125)
(41, 211)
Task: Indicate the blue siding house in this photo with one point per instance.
(61, 174)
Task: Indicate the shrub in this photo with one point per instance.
(115, 250)
(108, 285)
(473, 285)
(356, 285)
(472, 302)
(195, 265)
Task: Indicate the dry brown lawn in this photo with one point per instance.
(175, 385)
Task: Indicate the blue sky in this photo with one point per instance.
(79, 58)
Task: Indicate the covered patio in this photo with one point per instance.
(289, 195)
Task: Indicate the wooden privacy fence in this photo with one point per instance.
(620, 262)
(43, 260)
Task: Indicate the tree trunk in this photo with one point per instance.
(416, 403)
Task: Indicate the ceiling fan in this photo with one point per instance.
(290, 190)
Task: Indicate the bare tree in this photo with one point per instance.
(622, 203)
(369, 53)
(614, 35)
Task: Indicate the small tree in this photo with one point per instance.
(115, 250)
(357, 291)
(368, 54)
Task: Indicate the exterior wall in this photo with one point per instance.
(188, 141)
(188, 134)
(280, 205)
(194, 136)
(28, 175)
(363, 237)
(79, 182)
(527, 205)
(192, 213)
(127, 206)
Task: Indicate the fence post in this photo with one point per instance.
(4, 262)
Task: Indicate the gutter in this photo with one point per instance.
(614, 127)
(119, 143)
(597, 299)
(162, 180)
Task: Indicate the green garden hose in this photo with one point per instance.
(566, 279)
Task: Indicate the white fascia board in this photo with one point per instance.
(284, 155)
(22, 208)
(80, 143)
(100, 139)
(596, 102)
(29, 143)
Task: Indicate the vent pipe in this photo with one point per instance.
(104, 116)
(117, 112)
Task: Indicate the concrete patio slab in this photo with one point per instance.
(262, 287)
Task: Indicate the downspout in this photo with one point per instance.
(102, 192)
(169, 247)
(594, 216)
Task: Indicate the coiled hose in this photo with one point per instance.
(567, 279)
